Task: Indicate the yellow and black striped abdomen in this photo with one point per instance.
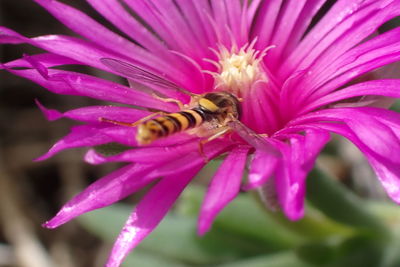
(168, 124)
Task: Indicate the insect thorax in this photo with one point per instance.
(222, 104)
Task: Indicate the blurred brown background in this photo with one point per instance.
(32, 192)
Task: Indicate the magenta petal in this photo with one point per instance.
(389, 88)
(72, 83)
(375, 131)
(150, 211)
(86, 52)
(375, 53)
(283, 29)
(105, 191)
(224, 187)
(74, 48)
(46, 59)
(387, 171)
(192, 157)
(351, 32)
(314, 38)
(262, 167)
(379, 132)
(265, 22)
(120, 17)
(50, 114)
(146, 154)
(80, 136)
(302, 23)
(90, 29)
(94, 113)
(121, 134)
(8, 36)
(200, 27)
(298, 159)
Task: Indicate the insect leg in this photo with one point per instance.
(221, 131)
(169, 100)
(132, 124)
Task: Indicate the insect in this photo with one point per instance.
(210, 115)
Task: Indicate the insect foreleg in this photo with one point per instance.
(132, 124)
(221, 131)
(169, 100)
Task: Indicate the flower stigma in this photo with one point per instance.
(238, 69)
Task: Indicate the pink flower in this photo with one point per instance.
(293, 81)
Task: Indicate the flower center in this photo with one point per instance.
(238, 69)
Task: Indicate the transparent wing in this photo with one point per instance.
(268, 194)
(252, 137)
(140, 75)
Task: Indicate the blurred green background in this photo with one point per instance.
(349, 221)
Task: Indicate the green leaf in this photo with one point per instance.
(285, 259)
(342, 205)
(142, 258)
(175, 238)
(107, 222)
(390, 214)
(244, 218)
(360, 251)
(317, 253)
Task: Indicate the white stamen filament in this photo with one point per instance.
(238, 69)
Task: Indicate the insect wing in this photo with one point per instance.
(268, 194)
(252, 137)
(140, 75)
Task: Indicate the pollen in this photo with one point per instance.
(238, 69)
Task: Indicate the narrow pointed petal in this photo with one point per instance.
(150, 211)
(80, 136)
(50, 114)
(262, 167)
(173, 18)
(370, 55)
(45, 59)
(298, 159)
(113, 11)
(8, 36)
(89, 53)
(193, 157)
(387, 172)
(379, 133)
(85, 26)
(188, 7)
(252, 9)
(105, 191)
(204, 11)
(92, 114)
(224, 187)
(388, 88)
(283, 28)
(146, 154)
(375, 131)
(343, 7)
(351, 32)
(234, 10)
(265, 22)
(72, 83)
(302, 23)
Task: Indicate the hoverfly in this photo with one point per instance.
(209, 115)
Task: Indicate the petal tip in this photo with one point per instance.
(49, 225)
(94, 158)
(203, 226)
(50, 114)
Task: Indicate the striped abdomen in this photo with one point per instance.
(169, 124)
